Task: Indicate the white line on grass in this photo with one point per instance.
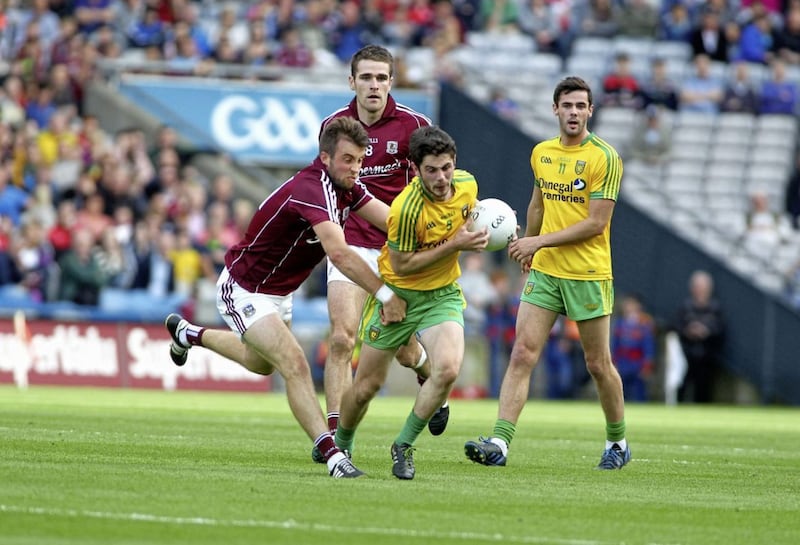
(303, 526)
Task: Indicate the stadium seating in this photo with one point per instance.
(716, 162)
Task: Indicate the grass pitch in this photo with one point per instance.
(85, 466)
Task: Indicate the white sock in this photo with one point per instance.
(335, 459)
(500, 443)
(623, 444)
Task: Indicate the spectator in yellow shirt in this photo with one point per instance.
(187, 263)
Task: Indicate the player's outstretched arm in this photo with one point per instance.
(356, 269)
(376, 212)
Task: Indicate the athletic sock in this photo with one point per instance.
(411, 430)
(193, 335)
(500, 443)
(333, 421)
(335, 458)
(505, 430)
(615, 433)
(326, 445)
(344, 438)
(622, 444)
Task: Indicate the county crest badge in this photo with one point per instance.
(579, 167)
(391, 147)
(528, 288)
(373, 333)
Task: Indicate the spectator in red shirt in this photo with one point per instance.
(60, 234)
(620, 87)
(292, 51)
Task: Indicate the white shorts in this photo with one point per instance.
(370, 255)
(240, 308)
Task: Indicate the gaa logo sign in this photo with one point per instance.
(240, 123)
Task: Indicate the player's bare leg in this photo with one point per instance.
(228, 344)
(446, 344)
(413, 356)
(373, 368)
(345, 302)
(532, 332)
(445, 341)
(269, 345)
(272, 339)
(595, 341)
(410, 354)
(224, 342)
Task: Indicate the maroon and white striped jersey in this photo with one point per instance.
(280, 249)
(386, 169)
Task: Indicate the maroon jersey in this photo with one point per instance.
(386, 169)
(280, 249)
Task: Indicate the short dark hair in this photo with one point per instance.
(371, 52)
(430, 140)
(342, 127)
(570, 84)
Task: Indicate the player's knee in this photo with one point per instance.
(446, 375)
(524, 357)
(365, 391)
(598, 367)
(256, 364)
(295, 369)
(261, 368)
(342, 340)
(407, 360)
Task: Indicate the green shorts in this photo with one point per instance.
(424, 309)
(577, 299)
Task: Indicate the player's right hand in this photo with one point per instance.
(467, 240)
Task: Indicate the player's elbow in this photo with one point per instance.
(596, 227)
(339, 256)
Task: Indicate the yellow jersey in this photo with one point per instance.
(569, 177)
(417, 223)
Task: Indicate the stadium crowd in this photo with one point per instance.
(85, 214)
